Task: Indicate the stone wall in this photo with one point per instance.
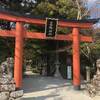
(94, 87)
(8, 90)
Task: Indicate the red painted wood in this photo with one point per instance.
(86, 39)
(9, 17)
(7, 33)
(38, 35)
(18, 55)
(76, 57)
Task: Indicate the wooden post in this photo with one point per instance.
(76, 58)
(18, 55)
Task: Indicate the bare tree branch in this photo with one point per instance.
(80, 13)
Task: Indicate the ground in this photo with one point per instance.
(52, 88)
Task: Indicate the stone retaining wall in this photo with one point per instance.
(8, 90)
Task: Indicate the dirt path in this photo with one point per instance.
(49, 88)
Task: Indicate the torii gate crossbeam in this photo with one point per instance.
(40, 35)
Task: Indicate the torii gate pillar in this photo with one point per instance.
(18, 55)
(76, 58)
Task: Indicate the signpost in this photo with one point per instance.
(51, 27)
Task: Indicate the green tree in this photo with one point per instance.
(67, 9)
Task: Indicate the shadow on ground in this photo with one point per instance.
(38, 83)
(43, 97)
(50, 88)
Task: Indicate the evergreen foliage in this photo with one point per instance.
(36, 49)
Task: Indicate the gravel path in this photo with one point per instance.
(50, 88)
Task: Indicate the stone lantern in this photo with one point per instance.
(57, 73)
(98, 66)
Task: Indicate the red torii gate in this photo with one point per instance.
(20, 33)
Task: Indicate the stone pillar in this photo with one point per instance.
(57, 73)
(76, 58)
(98, 67)
(18, 54)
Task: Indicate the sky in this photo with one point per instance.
(91, 2)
